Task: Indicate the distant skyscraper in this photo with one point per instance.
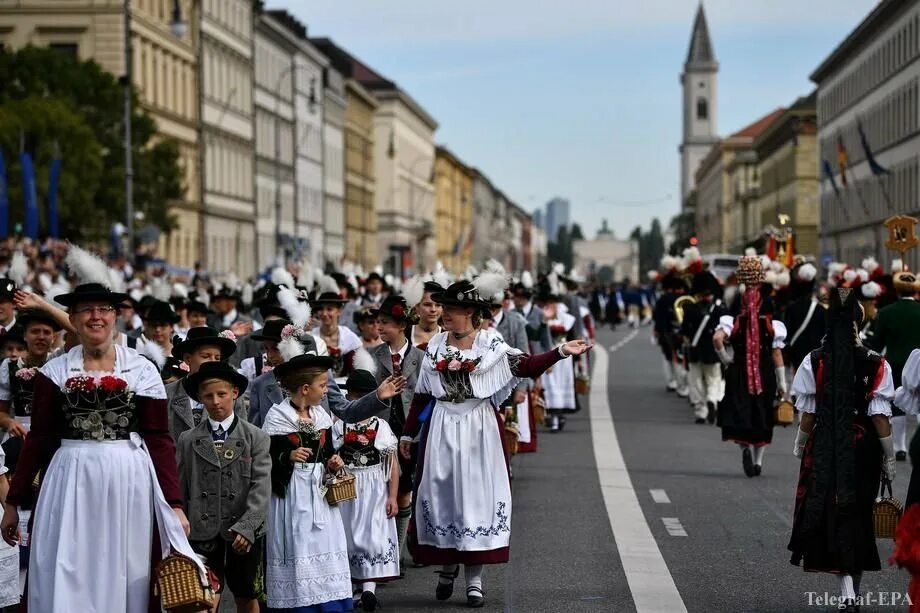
(538, 219)
(557, 216)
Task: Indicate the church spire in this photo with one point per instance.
(700, 54)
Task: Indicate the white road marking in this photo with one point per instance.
(647, 574)
(673, 526)
(660, 496)
(619, 344)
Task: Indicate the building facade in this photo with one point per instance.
(870, 81)
(453, 183)
(334, 103)
(788, 178)
(485, 210)
(606, 258)
(164, 70)
(699, 82)
(228, 186)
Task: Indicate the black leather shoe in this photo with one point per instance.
(369, 601)
(848, 607)
(747, 462)
(757, 469)
(901, 456)
(711, 417)
(445, 590)
(699, 420)
(474, 598)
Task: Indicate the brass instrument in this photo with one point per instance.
(679, 306)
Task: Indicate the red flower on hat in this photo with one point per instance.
(398, 310)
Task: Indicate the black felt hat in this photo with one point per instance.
(394, 307)
(194, 306)
(303, 361)
(462, 293)
(328, 299)
(91, 292)
(361, 382)
(204, 336)
(374, 276)
(214, 370)
(363, 314)
(29, 316)
(705, 282)
(16, 334)
(7, 289)
(160, 312)
(433, 287)
(271, 331)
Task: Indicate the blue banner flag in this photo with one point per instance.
(4, 200)
(829, 175)
(876, 168)
(30, 195)
(53, 179)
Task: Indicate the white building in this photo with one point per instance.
(334, 166)
(698, 80)
(227, 224)
(870, 80)
(607, 258)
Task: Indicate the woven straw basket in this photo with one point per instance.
(785, 413)
(511, 435)
(179, 586)
(886, 513)
(538, 406)
(341, 488)
(582, 385)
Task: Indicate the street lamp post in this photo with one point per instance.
(178, 28)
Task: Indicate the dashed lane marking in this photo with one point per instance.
(673, 526)
(660, 496)
(619, 344)
(650, 582)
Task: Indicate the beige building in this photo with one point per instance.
(164, 71)
(788, 187)
(607, 258)
(453, 184)
(725, 180)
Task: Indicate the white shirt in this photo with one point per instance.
(9, 325)
(402, 352)
(805, 390)
(225, 423)
(497, 319)
(229, 318)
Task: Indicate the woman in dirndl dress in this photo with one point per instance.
(100, 435)
(750, 346)
(462, 503)
(559, 381)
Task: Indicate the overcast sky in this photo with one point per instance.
(581, 98)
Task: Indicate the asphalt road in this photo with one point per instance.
(725, 539)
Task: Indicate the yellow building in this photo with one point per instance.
(164, 72)
(360, 214)
(789, 175)
(453, 196)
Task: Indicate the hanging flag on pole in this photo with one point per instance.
(829, 175)
(876, 168)
(842, 160)
(53, 180)
(790, 250)
(30, 195)
(4, 200)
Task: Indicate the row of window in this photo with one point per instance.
(235, 15)
(266, 125)
(228, 167)
(886, 123)
(227, 79)
(273, 69)
(165, 80)
(231, 254)
(871, 199)
(310, 203)
(900, 48)
(266, 205)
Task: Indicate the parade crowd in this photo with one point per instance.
(293, 442)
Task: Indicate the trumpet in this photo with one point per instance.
(679, 306)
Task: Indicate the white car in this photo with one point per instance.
(722, 264)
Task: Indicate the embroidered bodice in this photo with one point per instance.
(358, 450)
(22, 388)
(484, 371)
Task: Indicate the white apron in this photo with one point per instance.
(559, 382)
(523, 413)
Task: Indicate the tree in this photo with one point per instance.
(81, 93)
(577, 234)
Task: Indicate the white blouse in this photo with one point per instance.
(804, 390)
(140, 373)
(907, 397)
(727, 324)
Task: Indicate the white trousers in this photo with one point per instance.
(705, 386)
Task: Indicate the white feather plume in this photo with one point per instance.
(807, 272)
(669, 262)
(652, 275)
(45, 282)
(750, 251)
(871, 289)
(180, 290)
(389, 279)
(56, 289)
(691, 255)
(863, 274)
(849, 275)
(765, 262)
(298, 311)
(306, 276)
(378, 269)
(328, 284)
(413, 290)
(365, 361)
(87, 267)
(770, 277)
(280, 276)
(440, 275)
(870, 264)
(159, 289)
(470, 273)
(527, 279)
(19, 268)
(247, 294)
(155, 353)
(493, 265)
(290, 348)
(782, 278)
(116, 280)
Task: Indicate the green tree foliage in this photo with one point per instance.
(50, 100)
(651, 245)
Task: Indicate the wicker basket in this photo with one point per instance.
(538, 406)
(785, 413)
(341, 488)
(179, 586)
(886, 513)
(582, 384)
(511, 435)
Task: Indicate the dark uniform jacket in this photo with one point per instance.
(704, 352)
(811, 336)
(897, 331)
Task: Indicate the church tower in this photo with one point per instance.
(699, 80)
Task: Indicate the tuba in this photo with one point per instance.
(679, 306)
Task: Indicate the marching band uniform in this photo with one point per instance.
(698, 326)
(804, 316)
(664, 329)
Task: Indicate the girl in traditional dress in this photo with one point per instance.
(368, 449)
(844, 392)
(340, 341)
(559, 381)
(100, 433)
(750, 346)
(462, 504)
(429, 316)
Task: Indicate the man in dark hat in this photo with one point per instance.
(37, 332)
(665, 332)
(226, 315)
(537, 332)
(699, 323)
(7, 306)
(159, 319)
(397, 356)
(201, 346)
(374, 288)
(197, 313)
(13, 343)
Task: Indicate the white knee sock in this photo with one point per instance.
(668, 366)
(473, 576)
(447, 569)
(758, 455)
(899, 431)
(846, 588)
(369, 586)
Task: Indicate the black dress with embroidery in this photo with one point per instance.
(840, 473)
(282, 445)
(357, 450)
(744, 417)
